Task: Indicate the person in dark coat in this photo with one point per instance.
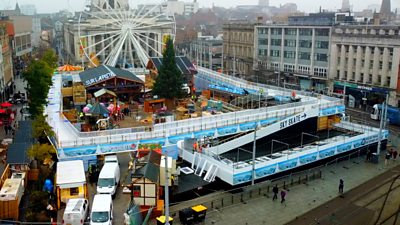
(275, 190)
(341, 186)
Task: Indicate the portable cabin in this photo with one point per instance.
(70, 181)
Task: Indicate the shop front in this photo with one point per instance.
(360, 96)
(315, 85)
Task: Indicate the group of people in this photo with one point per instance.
(275, 190)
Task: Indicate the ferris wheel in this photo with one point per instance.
(114, 33)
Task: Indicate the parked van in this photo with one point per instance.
(108, 179)
(111, 159)
(76, 211)
(102, 210)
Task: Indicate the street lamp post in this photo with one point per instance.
(381, 124)
(166, 189)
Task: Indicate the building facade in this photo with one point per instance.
(206, 52)
(238, 48)
(298, 54)
(6, 63)
(366, 60)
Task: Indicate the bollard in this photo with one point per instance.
(212, 204)
(291, 182)
(222, 202)
(306, 178)
(320, 174)
(241, 197)
(259, 191)
(299, 179)
(232, 199)
(251, 194)
(268, 189)
(284, 184)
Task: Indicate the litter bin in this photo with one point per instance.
(375, 158)
(186, 216)
(199, 213)
(161, 220)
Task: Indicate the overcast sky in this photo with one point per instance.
(44, 6)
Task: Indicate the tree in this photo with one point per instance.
(50, 58)
(41, 152)
(41, 129)
(38, 75)
(169, 80)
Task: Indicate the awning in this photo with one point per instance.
(103, 92)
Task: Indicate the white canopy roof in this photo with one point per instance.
(70, 174)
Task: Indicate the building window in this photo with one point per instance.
(304, 55)
(321, 57)
(275, 53)
(390, 65)
(388, 81)
(305, 44)
(305, 32)
(137, 190)
(369, 78)
(361, 77)
(276, 42)
(276, 31)
(322, 44)
(289, 54)
(380, 65)
(275, 66)
(290, 31)
(371, 64)
(290, 43)
(321, 32)
(262, 52)
(74, 191)
(379, 79)
(263, 30)
(304, 69)
(288, 67)
(262, 41)
(337, 74)
(320, 72)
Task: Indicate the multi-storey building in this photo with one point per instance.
(207, 52)
(366, 60)
(300, 53)
(238, 48)
(6, 63)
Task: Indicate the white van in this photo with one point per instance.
(76, 211)
(102, 210)
(111, 159)
(108, 179)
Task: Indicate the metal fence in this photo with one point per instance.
(264, 189)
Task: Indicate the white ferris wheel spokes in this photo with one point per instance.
(118, 35)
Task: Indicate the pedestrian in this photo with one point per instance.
(6, 129)
(52, 211)
(283, 195)
(341, 186)
(395, 154)
(275, 190)
(369, 155)
(387, 157)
